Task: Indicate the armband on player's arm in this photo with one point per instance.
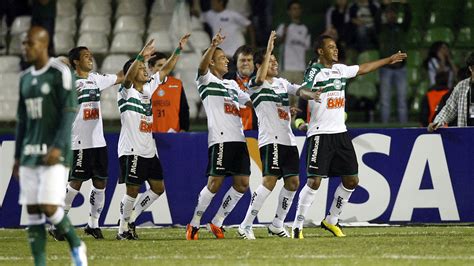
(145, 54)
(171, 62)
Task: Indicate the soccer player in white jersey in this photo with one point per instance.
(277, 143)
(329, 147)
(228, 153)
(90, 159)
(136, 148)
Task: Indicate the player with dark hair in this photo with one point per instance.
(90, 159)
(228, 153)
(329, 148)
(137, 152)
(277, 143)
(46, 110)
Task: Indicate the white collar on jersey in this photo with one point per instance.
(40, 71)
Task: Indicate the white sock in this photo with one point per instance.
(285, 199)
(306, 198)
(228, 203)
(126, 207)
(145, 201)
(36, 218)
(96, 199)
(205, 197)
(70, 195)
(57, 216)
(341, 197)
(258, 198)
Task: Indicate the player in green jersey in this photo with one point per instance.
(46, 109)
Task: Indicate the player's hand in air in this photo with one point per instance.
(183, 40)
(149, 49)
(271, 41)
(217, 39)
(398, 57)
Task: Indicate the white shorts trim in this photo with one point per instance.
(43, 185)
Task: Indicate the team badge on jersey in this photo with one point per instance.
(161, 93)
(337, 84)
(146, 105)
(94, 95)
(79, 85)
(45, 89)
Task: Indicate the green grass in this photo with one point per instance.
(434, 245)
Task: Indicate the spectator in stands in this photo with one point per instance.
(432, 98)
(439, 59)
(337, 19)
(363, 15)
(243, 59)
(168, 103)
(262, 19)
(44, 15)
(232, 24)
(391, 40)
(9, 9)
(463, 73)
(460, 104)
(240, 6)
(295, 39)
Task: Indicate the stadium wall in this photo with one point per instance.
(406, 176)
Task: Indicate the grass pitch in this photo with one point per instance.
(434, 245)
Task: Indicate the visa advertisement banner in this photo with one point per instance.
(406, 175)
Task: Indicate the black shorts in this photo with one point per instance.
(89, 163)
(134, 170)
(228, 159)
(280, 160)
(331, 155)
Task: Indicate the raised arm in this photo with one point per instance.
(207, 57)
(171, 63)
(308, 94)
(120, 77)
(263, 69)
(145, 54)
(374, 65)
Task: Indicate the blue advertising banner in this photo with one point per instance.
(406, 175)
